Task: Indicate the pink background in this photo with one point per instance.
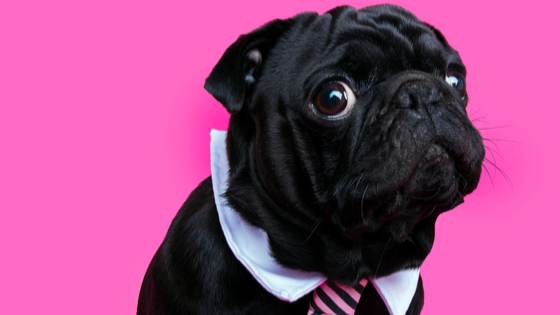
(104, 131)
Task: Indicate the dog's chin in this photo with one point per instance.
(399, 227)
(433, 188)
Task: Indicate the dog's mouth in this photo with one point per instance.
(398, 226)
(437, 184)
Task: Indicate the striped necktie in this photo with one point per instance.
(335, 299)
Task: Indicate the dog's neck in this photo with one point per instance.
(250, 245)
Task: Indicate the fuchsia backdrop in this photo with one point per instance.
(104, 131)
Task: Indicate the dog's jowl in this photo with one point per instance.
(348, 136)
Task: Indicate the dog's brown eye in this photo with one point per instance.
(457, 81)
(334, 99)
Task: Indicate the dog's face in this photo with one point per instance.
(355, 119)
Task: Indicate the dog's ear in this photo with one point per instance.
(438, 35)
(239, 68)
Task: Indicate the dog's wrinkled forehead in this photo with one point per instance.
(365, 46)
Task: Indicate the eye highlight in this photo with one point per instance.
(457, 80)
(334, 100)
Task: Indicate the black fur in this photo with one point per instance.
(351, 197)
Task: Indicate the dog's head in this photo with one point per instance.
(351, 123)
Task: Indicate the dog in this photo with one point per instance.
(348, 136)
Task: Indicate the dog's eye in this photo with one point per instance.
(457, 81)
(334, 99)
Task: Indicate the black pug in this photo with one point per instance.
(348, 137)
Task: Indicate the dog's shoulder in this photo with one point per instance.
(184, 273)
(195, 272)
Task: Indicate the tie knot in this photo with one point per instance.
(331, 298)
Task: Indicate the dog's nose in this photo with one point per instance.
(415, 93)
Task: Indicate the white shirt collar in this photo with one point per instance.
(250, 245)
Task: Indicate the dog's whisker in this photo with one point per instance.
(358, 183)
(430, 198)
(362, 206)
(478, 120)
(375, 193)
(315, 226)
(476, 111)
(433, 209)
(350, 183)
(493, 162)
(493, 128)
(494, 152)
(380, 258)
(493, 142)
(504, 175)
(464, 180)
(500, 140)
(407, 215)
(489, 176)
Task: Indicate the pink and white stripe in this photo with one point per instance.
(335, 299)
